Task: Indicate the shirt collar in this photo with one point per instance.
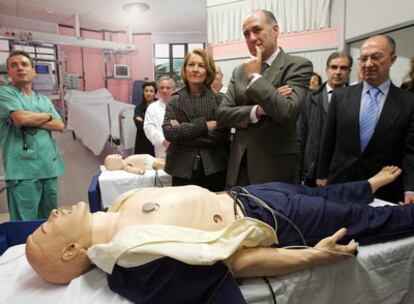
(272, 58)
(384, 87)
(329, 89)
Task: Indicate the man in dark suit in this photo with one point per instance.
(264, 146)
(312, 118)
(351, 149)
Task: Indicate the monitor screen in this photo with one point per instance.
(42, 69)
(121, 71)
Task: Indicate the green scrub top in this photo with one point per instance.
(41, 158)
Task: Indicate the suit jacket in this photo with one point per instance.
(269, 141)
(310, 130)
(391, 144)
(192, 138)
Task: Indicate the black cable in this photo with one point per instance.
(266, 279)
(274, 213)
(157, 179)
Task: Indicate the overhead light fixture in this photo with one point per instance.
(50, 11)
(135, 7)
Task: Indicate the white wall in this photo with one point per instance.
(373, 16)
(404, 39)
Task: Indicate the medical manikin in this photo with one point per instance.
(137, 163)
(61, 248)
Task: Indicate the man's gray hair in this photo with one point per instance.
(270, 18)
(168, 78)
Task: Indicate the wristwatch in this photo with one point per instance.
(50, 117)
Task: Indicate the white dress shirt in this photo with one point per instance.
(154, 117)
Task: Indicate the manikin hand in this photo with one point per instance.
(328, 246)
(139, 118)
(253, 64)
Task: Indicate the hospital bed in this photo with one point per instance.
(96, 117)
(381, 273)
(115, 182)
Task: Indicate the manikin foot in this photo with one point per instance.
(387, 175)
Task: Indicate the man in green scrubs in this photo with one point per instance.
(30, 157)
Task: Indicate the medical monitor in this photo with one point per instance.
(43, 68)
(121, 71)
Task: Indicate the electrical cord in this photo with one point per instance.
(274, 213)
(266, 279)
(157, 179)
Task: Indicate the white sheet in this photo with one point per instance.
(113, 183)
(382, 273)
(88, 118)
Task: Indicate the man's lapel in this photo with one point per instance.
(389, 114)
(352, 105)
(273, 71)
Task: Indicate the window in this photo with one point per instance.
(169, 59)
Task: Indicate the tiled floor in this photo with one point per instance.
(80, 165)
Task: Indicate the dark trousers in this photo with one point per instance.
(214, 182)
(319, 212)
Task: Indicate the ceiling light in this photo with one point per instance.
(50, 11)
(135, 7)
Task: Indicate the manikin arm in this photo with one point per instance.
(266, 261)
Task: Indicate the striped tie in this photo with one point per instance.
(368, 117)
(263, 68)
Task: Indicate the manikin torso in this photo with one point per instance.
(188, 206)
(196, 208)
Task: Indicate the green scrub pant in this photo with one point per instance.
(31, 199)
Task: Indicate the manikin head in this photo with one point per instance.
(57, 249)
(114, 162)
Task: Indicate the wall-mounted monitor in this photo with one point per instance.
(44, 80)
(43, 68)
(121, 71)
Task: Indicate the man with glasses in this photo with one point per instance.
(312, 119)
(369, 125)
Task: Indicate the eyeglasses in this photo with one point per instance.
(377, 57)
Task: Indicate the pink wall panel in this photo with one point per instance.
(141, 61)
(302, 40)
(90, 64)
(71, 56)
(93, 63)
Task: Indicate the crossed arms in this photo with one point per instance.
(43, 120)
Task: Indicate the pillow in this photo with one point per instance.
(99, 93)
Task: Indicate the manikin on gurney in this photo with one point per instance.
(197, 227)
